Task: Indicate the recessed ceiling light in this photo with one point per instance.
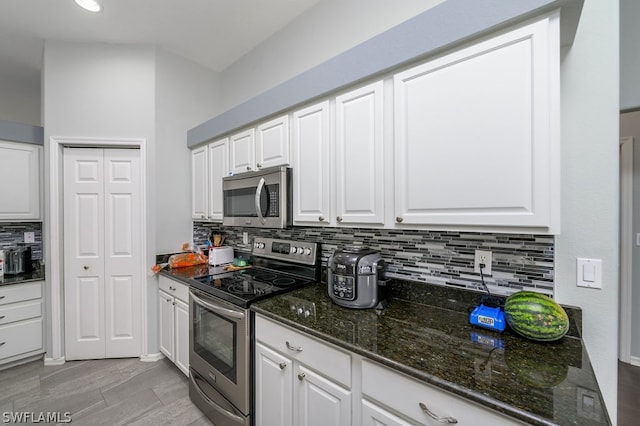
(90, 5)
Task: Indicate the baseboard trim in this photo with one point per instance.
(151, 357)
(634, 360)
(53, 361)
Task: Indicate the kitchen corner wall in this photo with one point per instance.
(520, 261)
(12, 234)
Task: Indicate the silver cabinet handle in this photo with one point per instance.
(85, 267)
(2, 317)
(2, 343)
(293, 348)
(301, 376)
(172, 288)
(448, 420)
(282, 366)
(2, 297)
(339, 218)
(203, 216)
(248, 168)
(399, 219)
(259, 165)
(321, 218)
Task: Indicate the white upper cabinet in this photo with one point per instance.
(477, 134)
(272, 143)
(360, 171)
(218, 169)
(199, 183)
(20, 174)
(242, 151)
(310, 158)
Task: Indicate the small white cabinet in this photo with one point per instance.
(20, 322)
(299, 380)
(20, 174)
(174, 322)
(266, 145)
(199, 183)
(311, 153)
(209, 164)
(218, 169)
(477, 133)
(359, 156)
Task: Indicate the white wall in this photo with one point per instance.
(630, 126)
(590, 133)
(629, 58)
(186, 95)
(20, 101)
(327, 29)
(101, 90)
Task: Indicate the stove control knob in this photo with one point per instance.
(261, 245)
(307, 251)
(307, 313)
(300, 311)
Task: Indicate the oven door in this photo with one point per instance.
(219, 344)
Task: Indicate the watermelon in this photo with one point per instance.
(535, 316)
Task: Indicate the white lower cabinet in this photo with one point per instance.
(397, 399)
(299, 380)
(303, 381)
(20, 322)
(174, 322)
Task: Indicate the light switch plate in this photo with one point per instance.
(589, 273)
(29, 237)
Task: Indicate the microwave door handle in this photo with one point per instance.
(222, 311)
(258, 195)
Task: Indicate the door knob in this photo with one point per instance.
(301, 376)
(85, 267)
(399, 219)
(282, 366)
(321, 218)
(339, 218)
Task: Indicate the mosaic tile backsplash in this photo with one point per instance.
(520, 261)
(12, 234)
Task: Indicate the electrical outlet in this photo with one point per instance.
(29, 237)
(482, 256)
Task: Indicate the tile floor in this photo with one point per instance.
(101, 392)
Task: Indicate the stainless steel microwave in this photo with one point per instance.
(259, 199)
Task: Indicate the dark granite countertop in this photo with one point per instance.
(37, 274)
(432, 341)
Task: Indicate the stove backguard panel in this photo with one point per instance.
(520, 261)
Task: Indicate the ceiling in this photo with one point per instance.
(213, 33)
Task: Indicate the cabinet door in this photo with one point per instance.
(311, 151)
(20, 173)
(374, 415)
(218, 169)
(319, 401)
(181, 324)
(477, 133)
(359, 156)
(242, 152)
(167, 331)
(273, 388)
(272, 144)
(199, 183)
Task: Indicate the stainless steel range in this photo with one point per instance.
(220, 328)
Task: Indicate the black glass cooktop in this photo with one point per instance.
(249, 285)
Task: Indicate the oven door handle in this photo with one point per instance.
(213, 405)
(222, 311)
(258, 195)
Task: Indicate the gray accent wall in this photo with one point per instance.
(629, 58)
(19, 132)
(443, 26)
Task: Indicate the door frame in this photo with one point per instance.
(626, 249)
(54, 231)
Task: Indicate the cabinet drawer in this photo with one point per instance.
(404, 395)
(174, 288)
(322, 357)
(20, 292)
(19, 312)
(20, 338)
